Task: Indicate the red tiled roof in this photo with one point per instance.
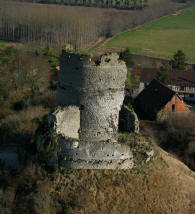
(182, 77)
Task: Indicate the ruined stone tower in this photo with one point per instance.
(90, 96)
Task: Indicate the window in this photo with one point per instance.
(173, 107)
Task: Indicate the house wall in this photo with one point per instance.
(183, 88)
(179, 105)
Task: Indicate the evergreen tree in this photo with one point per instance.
(179, 60)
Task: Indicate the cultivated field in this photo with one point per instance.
(161, 38)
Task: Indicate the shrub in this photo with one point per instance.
(47, 100)
(126, 56)
(178, 137)
(53, 85)
(20, 127)
(179, 128)
(179, 60)
(163, 75)
(4, 132)
(19, 105)
(3, 89)
(5, 110)
(52, 58)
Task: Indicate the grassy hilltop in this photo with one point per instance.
(165, 186)
(161, 37)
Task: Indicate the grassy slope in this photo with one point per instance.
(165, 186)
(162, 37)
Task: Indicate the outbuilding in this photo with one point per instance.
(157, 101)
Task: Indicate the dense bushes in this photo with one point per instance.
(176, 135)
(179, 137)
(25, 94)
(19, 127)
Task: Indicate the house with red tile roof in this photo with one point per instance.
(157, 100)
(182, 82)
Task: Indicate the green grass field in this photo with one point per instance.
(161, 38)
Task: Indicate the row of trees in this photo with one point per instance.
(58, 25)
(121, 4)
(49, 24)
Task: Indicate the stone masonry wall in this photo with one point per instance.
(97, 90)
(90, 96)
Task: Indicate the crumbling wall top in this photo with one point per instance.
(97, 73)
(76, 59)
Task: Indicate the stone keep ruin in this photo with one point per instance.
(90, 96)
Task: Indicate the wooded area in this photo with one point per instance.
(58, 25)
(120, 4)
(48, 24)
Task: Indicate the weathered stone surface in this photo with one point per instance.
(91, 93)
(66, 121)
(97, 89)
(93, 155)
(99, 116)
